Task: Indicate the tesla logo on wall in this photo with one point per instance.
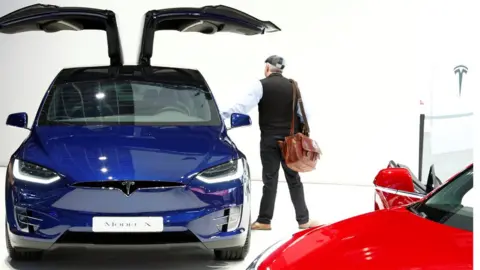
(460, 70)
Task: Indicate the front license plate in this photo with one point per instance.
(127, 224)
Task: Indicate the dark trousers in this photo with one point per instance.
(271, 160)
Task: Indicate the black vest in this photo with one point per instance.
(275, 107)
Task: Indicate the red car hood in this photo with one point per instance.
(389, 239)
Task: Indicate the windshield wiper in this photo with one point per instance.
(414, 210)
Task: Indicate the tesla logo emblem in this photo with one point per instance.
(128, 187)
(460, 70)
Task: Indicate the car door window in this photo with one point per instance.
(452, 204)
(454, 192)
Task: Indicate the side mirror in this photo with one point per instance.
(239, 120)
(395, 179)
(19, 120)
(395, 187)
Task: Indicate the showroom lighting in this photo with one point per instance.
(102, 158)
(100, 95)
(104, 170)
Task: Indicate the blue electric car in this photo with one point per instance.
(128, 154)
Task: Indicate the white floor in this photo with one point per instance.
(327, 203)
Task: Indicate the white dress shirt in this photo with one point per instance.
(251, 99)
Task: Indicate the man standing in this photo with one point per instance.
(274, 97)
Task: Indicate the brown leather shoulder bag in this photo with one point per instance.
(299, 151)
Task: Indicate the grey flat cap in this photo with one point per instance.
(276, 61)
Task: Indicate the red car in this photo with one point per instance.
(415, 226)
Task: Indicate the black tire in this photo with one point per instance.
(234, 254)
(21, 255)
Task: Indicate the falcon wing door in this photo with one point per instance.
(50, 18)
(207, 20)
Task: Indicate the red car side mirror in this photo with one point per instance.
(395, 178)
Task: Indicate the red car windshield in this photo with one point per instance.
(452, 204)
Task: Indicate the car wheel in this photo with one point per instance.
(234, 254)
(21, 255)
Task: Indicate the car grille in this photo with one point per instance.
(129, 186)
(127, 238)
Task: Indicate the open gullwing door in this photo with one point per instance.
(51, 18)
(207, 20)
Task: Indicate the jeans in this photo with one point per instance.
(271, 159)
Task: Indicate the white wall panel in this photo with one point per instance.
(362, 67)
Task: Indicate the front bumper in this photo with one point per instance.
(192, 216)
(234, 239)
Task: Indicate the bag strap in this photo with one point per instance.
(296, 92)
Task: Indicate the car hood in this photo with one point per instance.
(94, 153)
(389, 239)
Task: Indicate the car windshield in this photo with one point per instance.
(121, 102)
(452, 204)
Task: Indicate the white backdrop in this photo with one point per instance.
(449, 132)
(361, 65)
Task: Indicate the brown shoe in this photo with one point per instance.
(309, 224)
(261, 227)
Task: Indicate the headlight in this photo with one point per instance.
(256, 263)
(229, 171)
(29, 172)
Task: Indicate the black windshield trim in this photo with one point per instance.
(133, 72)
(107, 123)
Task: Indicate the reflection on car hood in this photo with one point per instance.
(389, 239)
(127, 152)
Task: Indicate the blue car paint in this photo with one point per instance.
(18, 120)
(174, 154)
(240, 120)
(129, 152)
(99, 153)
(118, 152)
